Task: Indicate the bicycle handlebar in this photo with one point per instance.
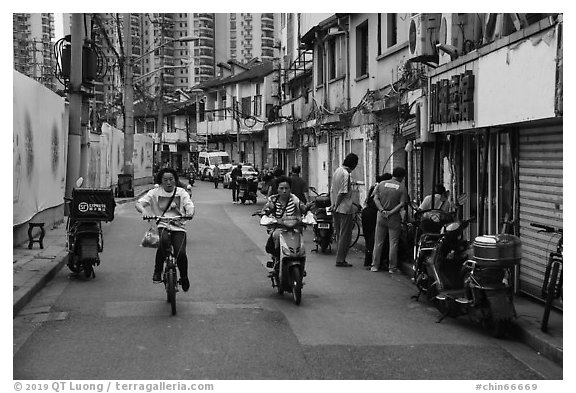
(546, 228)
(164, 218)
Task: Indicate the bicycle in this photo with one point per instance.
(170, 274)
(552, 285)
(356, 226)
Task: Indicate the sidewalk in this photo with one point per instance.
(34, 268)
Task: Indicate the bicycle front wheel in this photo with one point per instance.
(171, 289)
(552, 283)
(355, 233)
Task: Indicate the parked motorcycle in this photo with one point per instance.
(88, 207)
(479, 287)
(428, 224)
(247, 189)
(287, 267)
(324, 227)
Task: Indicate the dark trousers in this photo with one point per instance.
(216, 181)
(176, 239)
(234, 188)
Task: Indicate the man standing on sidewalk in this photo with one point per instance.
(390, 197)
(234, 175)
(342, 207)
(216, 175)
(299, 186)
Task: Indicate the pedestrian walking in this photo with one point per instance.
(273, 188)
(234, 175)
(369, 215)
(299, 186)
(342, 207)
(216, 176)
(390, 197)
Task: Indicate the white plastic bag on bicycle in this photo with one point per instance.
(151, 238)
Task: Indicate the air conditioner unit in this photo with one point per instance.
(457, 34)
(423, 37)
(448, 27)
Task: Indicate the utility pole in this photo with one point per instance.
(75, 99)
(237, 112)
(237, 115)
(161, 93)
(128, 168)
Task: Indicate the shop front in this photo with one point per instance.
(497, 135)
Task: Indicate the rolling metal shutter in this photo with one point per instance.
(541, 187)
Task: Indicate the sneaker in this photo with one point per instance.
(185, 283)
(393, 270)
(157, 277)
(374, 269)
(343, 264)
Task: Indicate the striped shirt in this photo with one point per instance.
(279, 208)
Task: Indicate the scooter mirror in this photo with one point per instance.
(79, 182)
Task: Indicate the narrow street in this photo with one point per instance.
(352, 323)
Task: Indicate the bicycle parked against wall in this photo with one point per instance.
(552, 285)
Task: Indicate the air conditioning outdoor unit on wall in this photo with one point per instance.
(423, 37)
(456, 36)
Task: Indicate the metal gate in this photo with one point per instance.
(541, 188)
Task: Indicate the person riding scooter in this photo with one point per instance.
(279, 206)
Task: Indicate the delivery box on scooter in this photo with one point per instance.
(92, 204)
(497, 251)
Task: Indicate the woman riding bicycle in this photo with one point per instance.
(169, 200)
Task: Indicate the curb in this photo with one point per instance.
(536, 340)
(24, 295)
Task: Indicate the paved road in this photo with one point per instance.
(352, 324)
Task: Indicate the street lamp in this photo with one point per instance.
(407, 148)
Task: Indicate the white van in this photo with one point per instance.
(207, 160)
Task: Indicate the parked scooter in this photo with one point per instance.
(324, 227)
(479, 287)
(287, 267)
(428, 224)
(88, 207)
(247, 189)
